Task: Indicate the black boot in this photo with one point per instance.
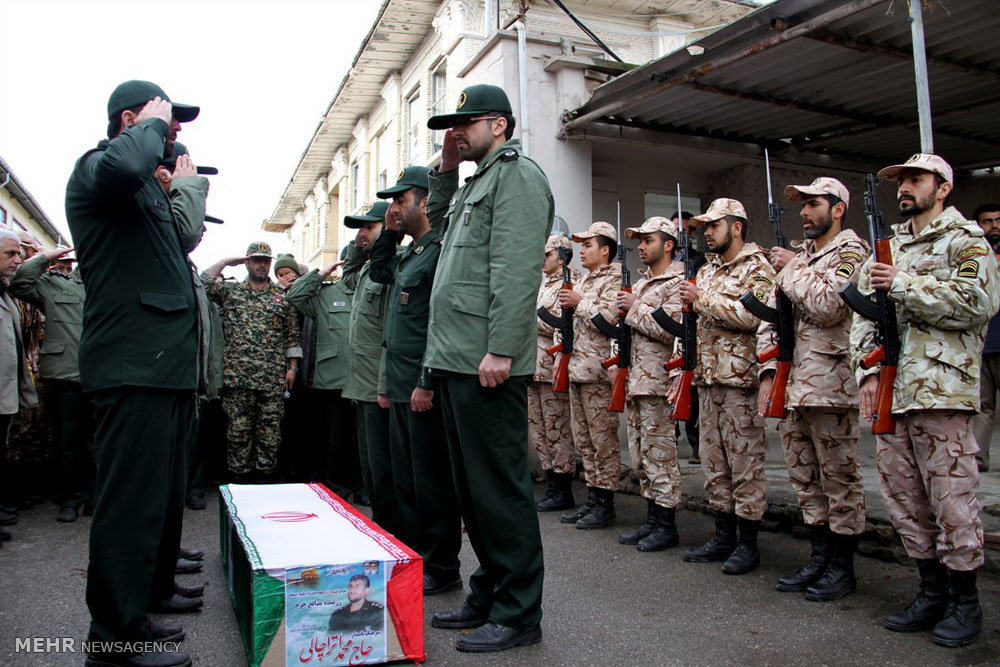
(931, 602)
(719, 547)
(633, 537)
(964, 619)
(819, 559)
(603, 514)
(745, 558)
(664, 535)
(838, 580)
(582, 510)
(559, 495)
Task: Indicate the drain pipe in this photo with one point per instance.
(522, 68)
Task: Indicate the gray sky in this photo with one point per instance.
(263, 72)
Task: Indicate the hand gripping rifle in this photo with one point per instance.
(563, 323)
(783, 317)
(620, 332)
(686, 330)
(882, 312)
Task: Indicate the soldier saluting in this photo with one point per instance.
(944, 285)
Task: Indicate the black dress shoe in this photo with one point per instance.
(88, 509)
(66, 515)
(434, 586)
(177, 604)
(496, 637)
(152, 659)
(191, 554)
(8, 518)
(185, 566)
(166, 632)
(458, 619)
(189, 591)
(195, 502)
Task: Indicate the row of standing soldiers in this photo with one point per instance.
(943, 282)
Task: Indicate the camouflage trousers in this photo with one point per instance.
(732, 450)
(982, 423)
(549, 429)
(652, 444)
(821, 452)
(595, 433)
(929, 479)
(254, 431)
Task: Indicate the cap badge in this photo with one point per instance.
(461, 100)
(401, 174)
(366, 208)
(261, 247)
(914, 158)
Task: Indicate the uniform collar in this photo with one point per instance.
(514, 144)
(949, 219)
(749, 248)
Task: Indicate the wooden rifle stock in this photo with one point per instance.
(617, 403)
(676, 362)
(560, 374)
(776, 401)
(681, 397)
(884, 423)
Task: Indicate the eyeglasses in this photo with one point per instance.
(475, 120)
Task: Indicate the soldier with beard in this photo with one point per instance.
(988, 217)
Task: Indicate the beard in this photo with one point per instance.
(723, 247)
(819, 227)
(994, 239)
(916, 207)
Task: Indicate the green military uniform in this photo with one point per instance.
(329, 305)
(139, 361)
(421, 470)
(371, 616)
(61, 299)
(261, 331)
(483, 300)
(363, 372)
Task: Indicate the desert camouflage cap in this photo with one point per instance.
(925, 161)
(597, 229)
(259, 249)
(556, 241)
(824, 185)
(720, 208)
(655, 224)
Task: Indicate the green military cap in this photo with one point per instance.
(413, 176)
(259, 249)
(368, 213)
(286, 261)
(181, 149)
(474, 101)
(133, 93)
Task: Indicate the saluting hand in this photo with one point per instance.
(868, 394)
(390, 220)
(882, 275)
(331, 267)
(236, 261)
(156, 108)
(184, 167)
(689, 291)
(494, 370)
(568, 298)
(53, 255)
(450, 159)
(421, 400)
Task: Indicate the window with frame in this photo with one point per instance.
(354, 185)
(18, 227)
(3, 216)
(413, 117)
(439, 92)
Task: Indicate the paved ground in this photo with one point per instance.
(604, 603)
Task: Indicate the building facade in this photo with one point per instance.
(20, 212)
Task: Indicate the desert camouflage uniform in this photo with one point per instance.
(652, 439)
(733, 445)
(548, 412)
(595, 430)
(945, 293)
(261, 330)
(820, 435)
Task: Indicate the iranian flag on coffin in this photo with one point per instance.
(314, 582)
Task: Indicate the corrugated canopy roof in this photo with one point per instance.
(826, 76)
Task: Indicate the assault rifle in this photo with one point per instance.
(882, 312)
(783, 316)
(620, 332)
(564, 322)
(686, 330)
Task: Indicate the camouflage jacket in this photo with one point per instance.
(652, 346)
(727, 332)
(261, 330)
(598, 290)
(548, 293)
(945, 293)
(821, 372)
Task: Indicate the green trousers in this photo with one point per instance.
(72, 432)
(376, 464)
(425, 490)
(486, 430)
(141, 438)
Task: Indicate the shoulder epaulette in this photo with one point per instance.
(510, 155)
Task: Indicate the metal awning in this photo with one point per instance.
(831, 77)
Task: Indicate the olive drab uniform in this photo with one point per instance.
(820, 435)
(261, 331)
(733, 446)
(548, 411)
(499, 218)
(945, 293)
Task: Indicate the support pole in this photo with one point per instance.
(920, 77)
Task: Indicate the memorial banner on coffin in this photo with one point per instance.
(315, 582)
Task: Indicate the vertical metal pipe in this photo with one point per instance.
(920, 77)
(522, 67)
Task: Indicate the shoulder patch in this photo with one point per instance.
(761, 286)
(509, 155)
(972, 251)
(968, 268)
(849, 255)
(845, 270)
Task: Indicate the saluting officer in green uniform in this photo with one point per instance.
(363, 367)
(421, 470)
(138, 361)
(481, 354)
(61, 296)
